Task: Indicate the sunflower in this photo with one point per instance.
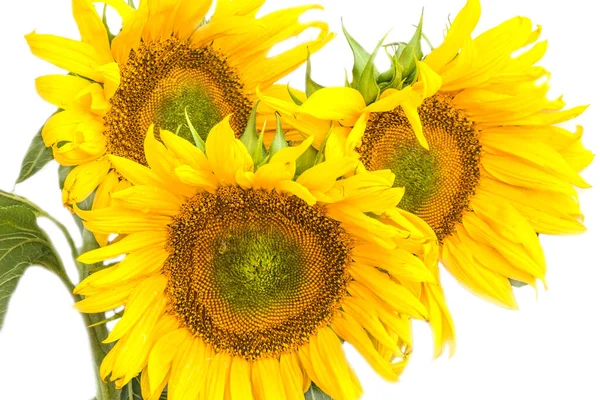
(241, 275)
(172, 65)
(474, 140)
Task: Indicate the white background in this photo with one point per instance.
(548, 349)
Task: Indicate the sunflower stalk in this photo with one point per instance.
(95, 323)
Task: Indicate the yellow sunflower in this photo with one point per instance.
(241, 277)
(475, 142)
(172, 65)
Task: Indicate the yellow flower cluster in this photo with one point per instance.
(242, 259)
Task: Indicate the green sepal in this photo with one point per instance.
(314, 393)
(254, 142)
(361, 58)
(197, 139)
(306, 161)
(311, 86)
(130, 3)
(393, 77)
(294, 98)
(321, 153)
(517, 284)
(279, 141)
(37, 156)
(412, 53)
(367, 84)
(105, 22)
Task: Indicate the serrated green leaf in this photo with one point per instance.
(361, 58)
(279, 141)
(37, 156)
(412, 53)
(314, 393)
(22, 244)
(311, 86)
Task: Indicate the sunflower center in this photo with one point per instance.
(166, 82)
(439, 182)
(255, 273)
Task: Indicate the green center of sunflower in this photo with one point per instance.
(191, 102)
(255, 273)
(440, 181)
(417, 170)
(255, 269)
(160, 82)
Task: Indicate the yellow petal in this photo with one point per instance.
(145, 294)
(188, 372)
(130, 243)
(226, 154)
(240, 379)
(395, 295)
(91, 28)
(83, 180)
(162, 354)
(71, 55)
(292, 377)
(266, 379)
(149, 199)
(348, 329)
(431, 80)
(217, 375)
(134, 172)
(341, 104)
(459, 31)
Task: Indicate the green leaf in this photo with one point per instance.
(37, 156)
(311, 86)
(22, 244)
(412, 52)
(314, 393)
(279, 141)
(361, 57)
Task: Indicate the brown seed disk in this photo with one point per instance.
(255, 273)
(163, 80)
(438, 182)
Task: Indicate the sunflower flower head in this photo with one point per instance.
(172, 65)
(243, 271)
(472, 136)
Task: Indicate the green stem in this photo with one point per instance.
(95, 336)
